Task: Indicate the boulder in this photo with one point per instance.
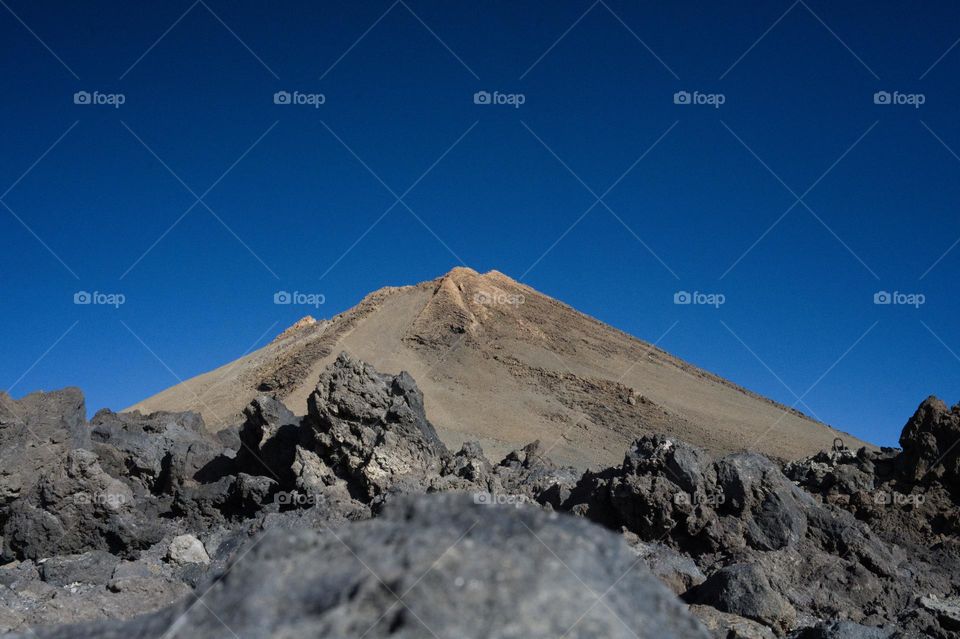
(744, 590)
(372, 431)
(187, 549)
(160, 451)
(929, 441)
(93, 567)
(72, 507)
(437, 565)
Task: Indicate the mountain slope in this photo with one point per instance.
(503, 364)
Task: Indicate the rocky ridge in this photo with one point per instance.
(356, 520)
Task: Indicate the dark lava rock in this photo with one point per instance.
(372, 431)
(269, 438)
(161, 451)
(72, 507)
(435, 566)
(34, 432)
(771, 507)
(843, 630)
(94, 567)
(744, 590)
(929, 441)
(313, 529)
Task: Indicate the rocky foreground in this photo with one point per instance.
(356, 521)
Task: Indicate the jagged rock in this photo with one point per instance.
(929, 442)
(160, 451)
(73, 507)
(772, 508)
(530, 472)
(744, 590)
(34, 432)
(459, 570)
(269, 439)
(372, 431)
(54, 417)
(659, 487)
(677, 571)
(857, 537)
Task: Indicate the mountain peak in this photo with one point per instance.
(503, 364)
(303, 322)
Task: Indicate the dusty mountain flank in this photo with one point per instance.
(500, 363)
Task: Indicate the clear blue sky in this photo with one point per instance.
(99, 190)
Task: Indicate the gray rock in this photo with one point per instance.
(72, 507)
(773, 509)
(160, 451)
(723, 625)
(947, 610)
(187, 549)
(34, 433)
(372, 431)
(439, 565)
(928, 441)
(843, 630)
(94, 567)
(677, 571)
(744, 590)
(269, 438)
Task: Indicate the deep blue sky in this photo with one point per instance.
(402, 96)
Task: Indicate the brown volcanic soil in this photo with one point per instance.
(503, 364)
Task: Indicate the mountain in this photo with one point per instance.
(502, 364)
